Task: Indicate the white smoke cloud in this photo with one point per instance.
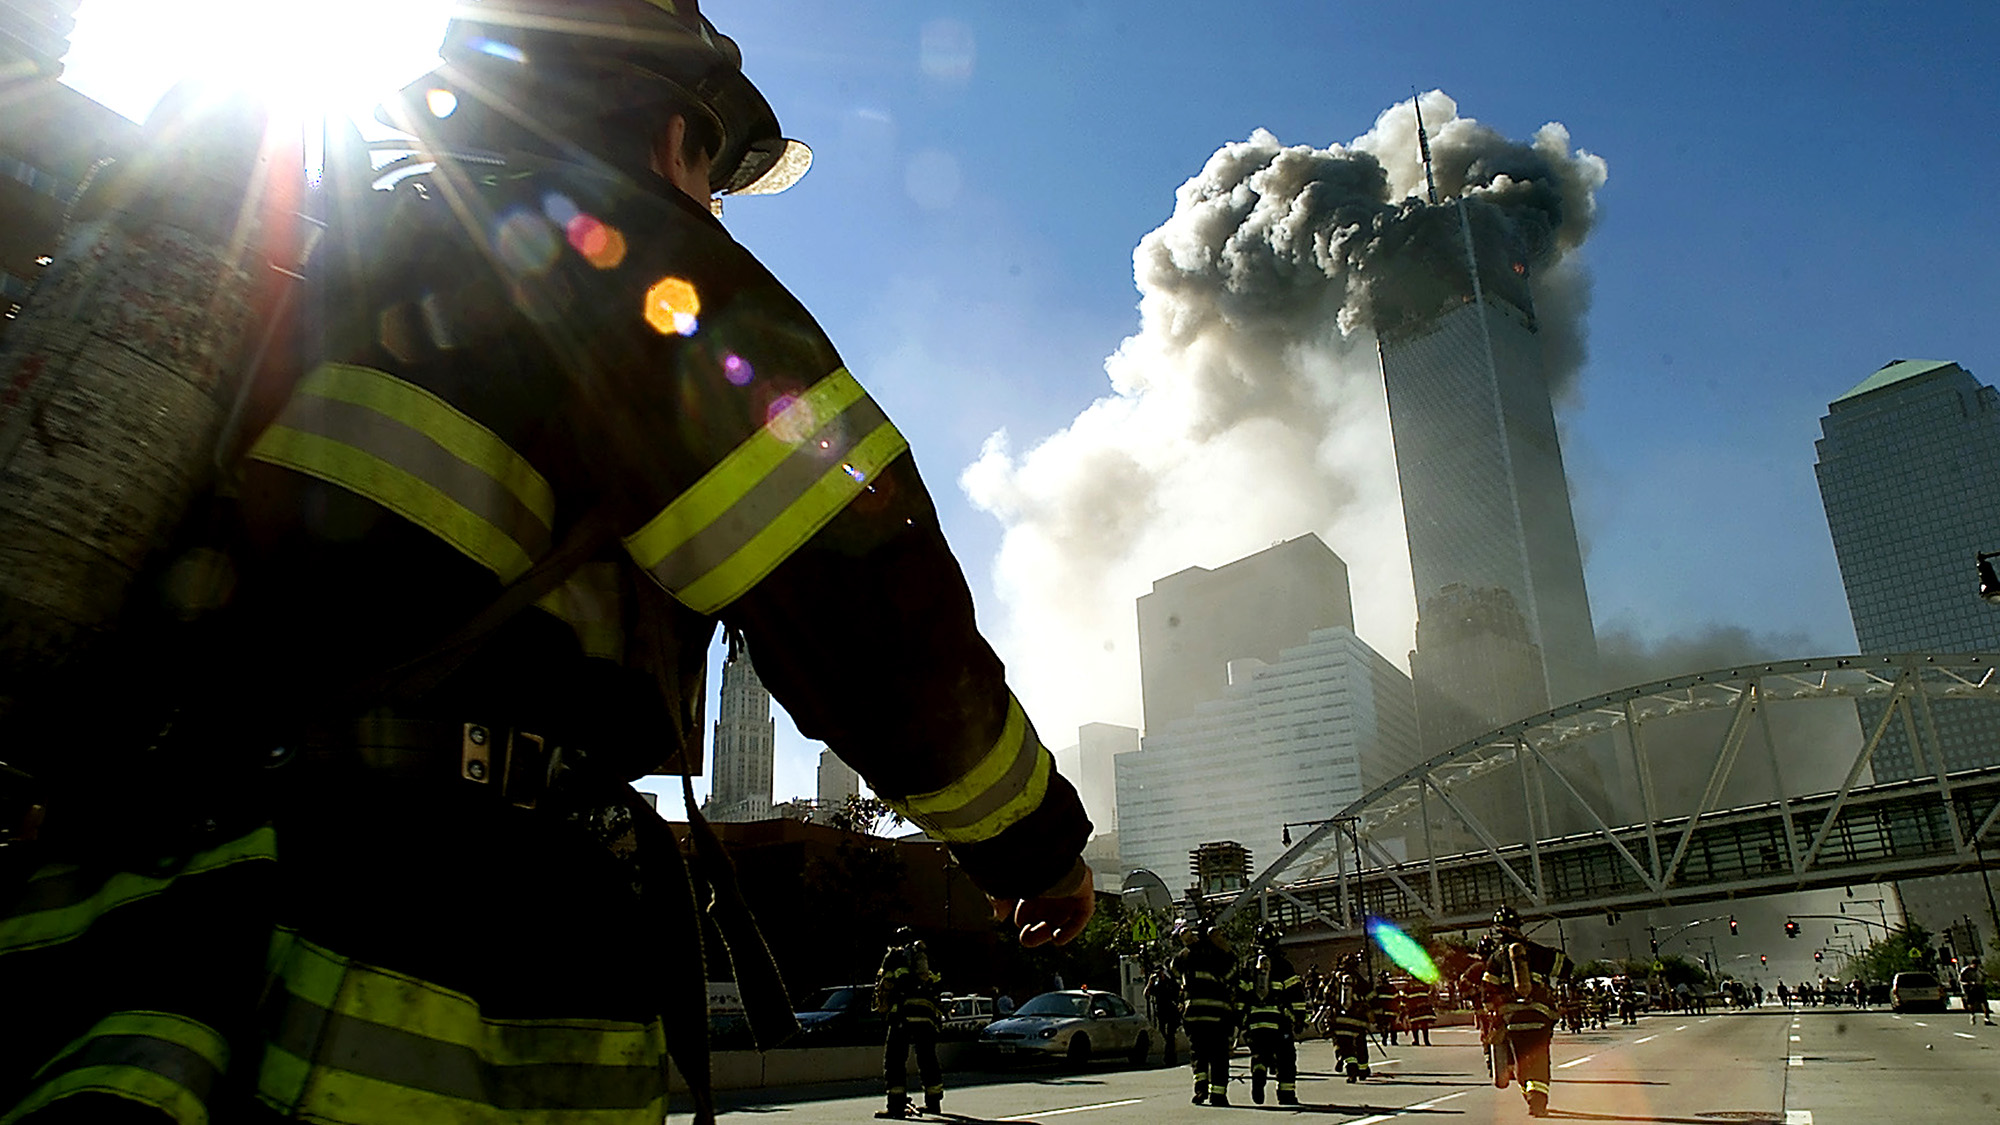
(1248, 409)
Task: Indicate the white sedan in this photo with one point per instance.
(1075, 1025)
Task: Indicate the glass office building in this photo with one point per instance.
(1909, 474)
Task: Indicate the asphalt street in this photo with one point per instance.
(1817, 1066)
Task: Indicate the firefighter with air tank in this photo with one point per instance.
(1270, 996)
(1521, 982)
(1353, 1012)
(1205, 965)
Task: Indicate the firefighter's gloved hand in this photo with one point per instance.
(1058, 915)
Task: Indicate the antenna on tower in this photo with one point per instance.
(1424, 144)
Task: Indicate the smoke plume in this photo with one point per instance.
(1249, 408)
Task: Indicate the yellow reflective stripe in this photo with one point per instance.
(725, 484)
(63, 905)
(1005, 785)
(769, 496)
(160, 1059)
(331, 981)
(411, 452)
(131, 1083)
(355, 1042)
(440, 421)
(591, 603)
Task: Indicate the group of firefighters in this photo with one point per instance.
(1518, 983)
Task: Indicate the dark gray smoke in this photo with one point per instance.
(1248, 408)
(1269, 234)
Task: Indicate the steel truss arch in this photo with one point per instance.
(1937, 822)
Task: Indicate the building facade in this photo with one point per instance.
(1198, 620)
(745, 749)
(1909, 475)
(1485, 499)
(1291, 740)
(837, 783)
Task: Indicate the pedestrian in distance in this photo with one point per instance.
(1972, 984)
(1163, 1004)
(553, 428)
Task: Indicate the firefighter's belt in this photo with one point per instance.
(515, 766)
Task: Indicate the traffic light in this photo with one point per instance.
(1763, 960)
(1791, 928)
(1816, 954)
(1732, 925)
(1656, 947)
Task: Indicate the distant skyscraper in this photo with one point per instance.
(1486, 505)
(1196, 621)
(837, 782)
(744, 749)
(1909, 474)
(1292, 740)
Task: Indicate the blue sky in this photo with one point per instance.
(1796, 195)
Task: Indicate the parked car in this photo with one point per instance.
(842, 1015)
(1072, 1024)
(1916, 992)
(966, 1013)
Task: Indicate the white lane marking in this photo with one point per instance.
(1704, 1021)
(1795, 1060)
(1071, 1109)
(1798, 1117)
(1895, 1017)
(1647, 1039)
(1920, 1023)
(1963, 1035)
(1795, 1038)
(1379, 1117)
(1682, 1027)
(1575, 1062)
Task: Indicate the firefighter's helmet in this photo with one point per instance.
(904, 935)
(1507, 919)
(570, 71)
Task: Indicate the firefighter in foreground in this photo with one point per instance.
(556, 424)
(1522, 980)
(1353, 1011)
(906, 991)
(1206, 965)
(1269, 995)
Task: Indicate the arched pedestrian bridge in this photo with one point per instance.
(1586, 827)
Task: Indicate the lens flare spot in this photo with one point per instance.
(442, 103)
(672, 305)
(500, 50)
(790, 420)
(1403, 949)
(857, 474)
(525, 242)
(737, 370)
(600, 243)
(560, 208)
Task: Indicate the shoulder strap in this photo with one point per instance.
(420, 674)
